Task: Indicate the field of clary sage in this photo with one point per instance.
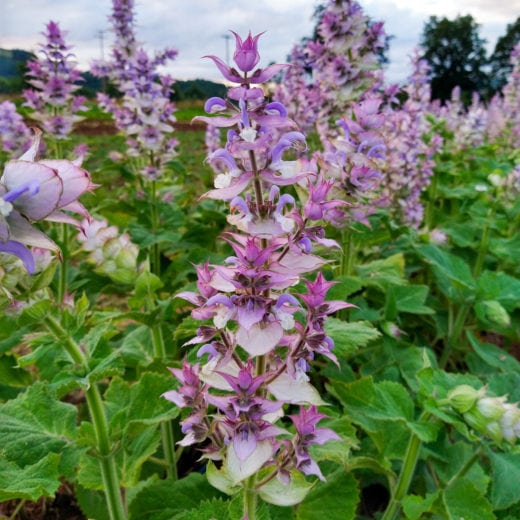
(302, 305)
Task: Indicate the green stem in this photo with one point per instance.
(16, 511)
(453, 339)
(107, 462)
(62, 280)
(155, 253)
(465, 468)
(482, 250)
(250, 498)
(432, 195)
(167, 436)
(347, 261)
(406, 475)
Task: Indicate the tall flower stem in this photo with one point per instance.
(167, 436)
(484, 241)
(250, 498)
(430, 207)
(347, 260)
(155, 253)
(406, 475)
(107, 462)
(63, 271)
(454, 333)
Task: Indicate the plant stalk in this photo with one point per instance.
(167, 436)
(109, 472)
(454, 334)
(406, 475)
(155, 253)
(250, 498)
(63, 272)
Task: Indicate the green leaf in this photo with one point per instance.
(415, 506)
(11, 333)
(410, 298)
(278, 494)
(207, 510)
(463, 500)
(501, 287)
(384, 401)
(12, 374)
(492, 314)
(382, 273)
(31, 482)
(348, 337)
(494, 356)
(338, 451)
(36, 424)
(453, 275)
(146, 285)
(134, 411)
(164, 499)
(336, 499)
(35, 313)
(136, 349)
(505, 477)
(344, 287)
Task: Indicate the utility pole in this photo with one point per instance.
(227, 37)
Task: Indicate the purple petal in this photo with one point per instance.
(15, 248)
(229, 73)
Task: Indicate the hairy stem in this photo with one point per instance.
(406, 475)
(63, 270)
(167, 436)
(155, 252)
(116, 509)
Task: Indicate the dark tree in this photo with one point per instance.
(456, 55)
(500, 59)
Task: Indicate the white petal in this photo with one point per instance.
(285, 388)
(260, 339)
(239, 470)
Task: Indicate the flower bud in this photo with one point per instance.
(463, 397)
(246, 55)
(491, 407)
(476, 420)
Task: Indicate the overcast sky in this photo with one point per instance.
(198, 27)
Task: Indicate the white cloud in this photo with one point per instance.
(197, 27)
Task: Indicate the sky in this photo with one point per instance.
(200, 27)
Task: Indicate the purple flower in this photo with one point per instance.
(307, 435)
(246, 55)
(54, 78)
(32, 191)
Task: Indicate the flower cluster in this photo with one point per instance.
(355, 159)
(493, 417)
(32, 191)
(145, 112)
(15, 136)
(259, 339)
(55, 79)
(113, 254)
(511, 102)
(343, 60)
(409, 156)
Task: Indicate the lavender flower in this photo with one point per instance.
(258, 352)
(33, 191)
(15, 136)
(112, 254)
(145, 112)
(54, 78)
(344, 64)
(410, 163)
